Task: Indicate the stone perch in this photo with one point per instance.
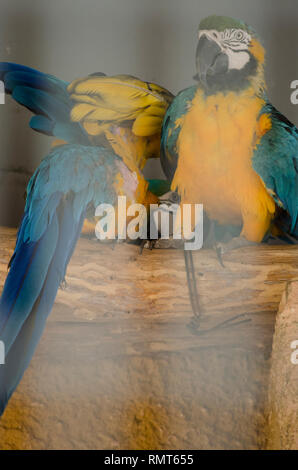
(120, 367)
(283, 384)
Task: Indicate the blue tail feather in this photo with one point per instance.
(26, 300)
(24, 283)
(68, 180)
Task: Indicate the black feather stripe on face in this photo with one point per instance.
(232, 80)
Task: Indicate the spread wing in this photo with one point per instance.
(67, 182)
(47, 98)
(122, 109)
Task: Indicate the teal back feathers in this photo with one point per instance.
(275, 159)
(54, 213)
(171, 129)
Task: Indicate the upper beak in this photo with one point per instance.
(210, 59)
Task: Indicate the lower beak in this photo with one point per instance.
(210, 60)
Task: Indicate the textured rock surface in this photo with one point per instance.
(283, 389)
(118, 367)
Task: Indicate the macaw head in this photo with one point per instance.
(229, 55)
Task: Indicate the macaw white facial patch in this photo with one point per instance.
(233, 42)
(237, 60)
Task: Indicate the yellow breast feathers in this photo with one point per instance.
(215, 148)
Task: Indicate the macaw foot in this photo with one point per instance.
(147, 244)
(233, 244)
(161, 243)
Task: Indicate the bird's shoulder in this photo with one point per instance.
(171, 129)
(275, 158)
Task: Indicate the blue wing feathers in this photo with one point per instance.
(67, 181)
(38, 81)
(24, 283)
(46, 97)
(171, 130)
(29, 333)
(42, 124)
(275, 160)
(41, 102)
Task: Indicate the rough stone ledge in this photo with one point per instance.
(283, 385)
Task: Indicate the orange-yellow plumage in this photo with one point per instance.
(216, 144)
(123, 109)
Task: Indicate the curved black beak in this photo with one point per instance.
(210, 60)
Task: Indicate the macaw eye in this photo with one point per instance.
(239, 35)
(175, 197)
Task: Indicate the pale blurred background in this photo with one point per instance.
(153, 39)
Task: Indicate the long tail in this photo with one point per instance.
(36, 272)
(45, 242)
(67, 182)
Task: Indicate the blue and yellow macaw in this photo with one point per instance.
(224, 144)
(105, 129)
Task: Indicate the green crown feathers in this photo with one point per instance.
(220, 23)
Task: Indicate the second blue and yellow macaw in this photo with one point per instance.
(105, 129)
